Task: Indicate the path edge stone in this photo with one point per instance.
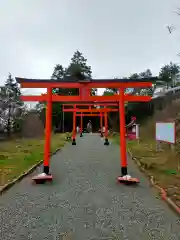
(24, 174)
(163, 193)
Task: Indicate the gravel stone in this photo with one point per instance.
(85, 202)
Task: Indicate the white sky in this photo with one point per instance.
(118, 37)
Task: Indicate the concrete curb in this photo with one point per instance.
(10, 184)
(163, 193)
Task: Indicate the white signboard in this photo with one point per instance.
(165, 132)
(137, 131)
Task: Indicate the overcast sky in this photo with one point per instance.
(118, 37)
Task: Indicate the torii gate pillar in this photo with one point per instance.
(48, 130)
(122, 133)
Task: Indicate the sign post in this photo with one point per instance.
(165, 132)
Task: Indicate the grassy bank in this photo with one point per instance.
(162, 165)
(17, 156)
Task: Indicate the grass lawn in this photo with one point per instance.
(163, 165)
(17, 156)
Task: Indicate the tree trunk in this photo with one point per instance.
(113, 120)
(8, 127)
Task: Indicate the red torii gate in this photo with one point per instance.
(84, 87)
(91, 105)
(91, 110)
(101, 115)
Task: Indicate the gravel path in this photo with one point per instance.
(85, 202)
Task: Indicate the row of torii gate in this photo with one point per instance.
(91, 112)
(85, 98)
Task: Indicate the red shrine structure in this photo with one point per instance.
(84, 96)
(92, 112)
(91, 105)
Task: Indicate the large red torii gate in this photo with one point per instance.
(84, 88)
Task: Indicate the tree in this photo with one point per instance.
(79, 64)
(112, 116)
(135, 91)
(13, 90)
(79, 68)
(142, 91)
(134, 76)
(108, 92)
(58, 73)
(12, 106)
(147, 73)
(168, 74)
(112, 91)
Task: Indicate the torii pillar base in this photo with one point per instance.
(43, 177)
(106, 143)
(125, 178)
(74, 141)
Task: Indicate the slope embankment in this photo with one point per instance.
(163, 164)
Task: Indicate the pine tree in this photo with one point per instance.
(79, 69)
(58, 73)
(10, 97)
(78, 66)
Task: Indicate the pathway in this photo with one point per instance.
(85, 202)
